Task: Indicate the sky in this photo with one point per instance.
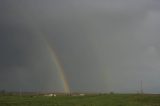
(102, 45)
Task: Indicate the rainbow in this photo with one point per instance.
(54, 57)
(60, 68)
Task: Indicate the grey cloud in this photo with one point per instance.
(103, 45)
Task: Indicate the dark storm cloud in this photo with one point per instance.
(24, 60)
(103, 45)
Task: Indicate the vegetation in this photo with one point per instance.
(92, 100)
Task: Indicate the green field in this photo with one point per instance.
(94, 100)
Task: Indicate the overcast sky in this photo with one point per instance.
(104, 45)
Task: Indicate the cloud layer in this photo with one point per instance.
(104, 45)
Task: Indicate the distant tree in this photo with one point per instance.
(111, 92)
(2, 92)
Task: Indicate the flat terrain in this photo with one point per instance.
(96, 100)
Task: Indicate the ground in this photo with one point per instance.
(94, 100)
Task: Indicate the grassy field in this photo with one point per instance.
(96, 100)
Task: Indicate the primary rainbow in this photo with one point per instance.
(60, 68)
(32, 23)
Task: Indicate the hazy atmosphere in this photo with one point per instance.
(100, 45)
